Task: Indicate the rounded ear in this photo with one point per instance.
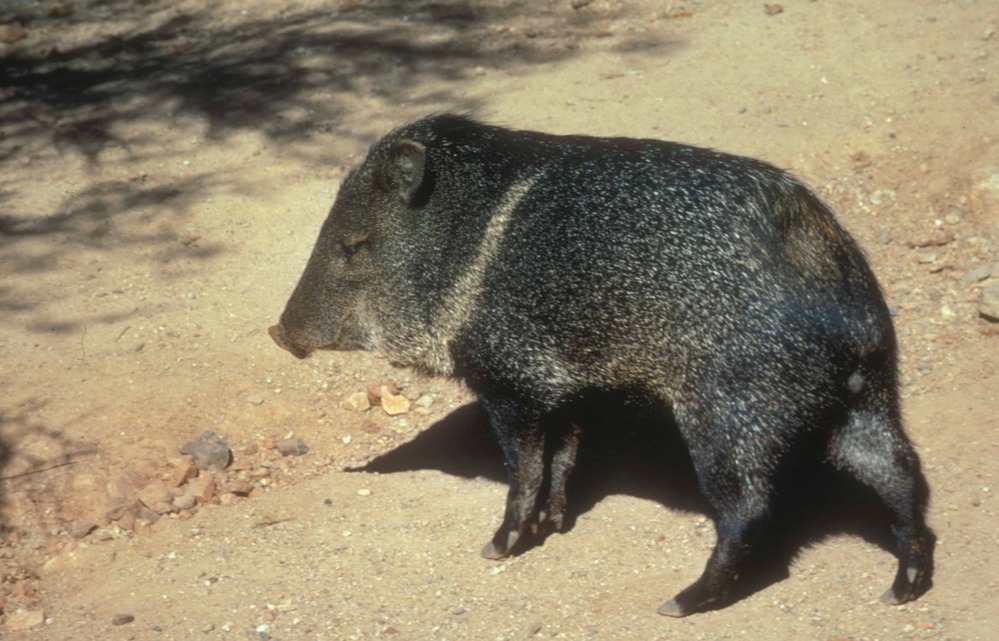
(406, 168)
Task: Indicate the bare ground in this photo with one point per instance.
(165, 167)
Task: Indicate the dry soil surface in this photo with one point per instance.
(164, 168)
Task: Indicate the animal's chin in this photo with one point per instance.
(341, 343)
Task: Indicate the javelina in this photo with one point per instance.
(544, 269)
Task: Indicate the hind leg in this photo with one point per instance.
(736, 533)
(873, 448)
(736, 472)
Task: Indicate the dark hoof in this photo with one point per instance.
(897, 595)
(494, 551)
(909, 585)
(673, 609)
(489, 551)
(698, 597)
(890, 598)
(547, 523)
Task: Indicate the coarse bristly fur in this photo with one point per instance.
(543, 270)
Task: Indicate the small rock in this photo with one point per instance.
(375, 391)
(82, 528)
(25, 619)
(426, 401)
(988, 303)
(256, 399)
(978, 273)
(399, 425)
(184, 502)
(364, 492)
(122, 619)
(292, 447)
(926, 258)
(202, 488)
(884, 236)
(579, 4)
(182, 472)
(239, 487)
(120, 507)
(357, 402)
(147, 516)
(125, 523)
(772, 8)
(938, 238)
(393, 404)
(210, 452)
(157, 497)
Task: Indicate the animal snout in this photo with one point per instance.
(280, 337)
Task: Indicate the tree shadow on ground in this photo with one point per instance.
(104, 217)
(287, 73)
(643, 456)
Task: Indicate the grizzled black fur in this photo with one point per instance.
(543, 270)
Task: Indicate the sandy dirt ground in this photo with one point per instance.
(164, 168)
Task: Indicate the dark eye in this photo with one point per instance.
(350, 250)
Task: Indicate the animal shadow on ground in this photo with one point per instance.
(639, 452)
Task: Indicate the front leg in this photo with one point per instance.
(518, 429)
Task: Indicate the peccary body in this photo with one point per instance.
(543, 270)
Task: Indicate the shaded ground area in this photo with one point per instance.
(287, 71)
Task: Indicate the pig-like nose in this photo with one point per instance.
(281, 338)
